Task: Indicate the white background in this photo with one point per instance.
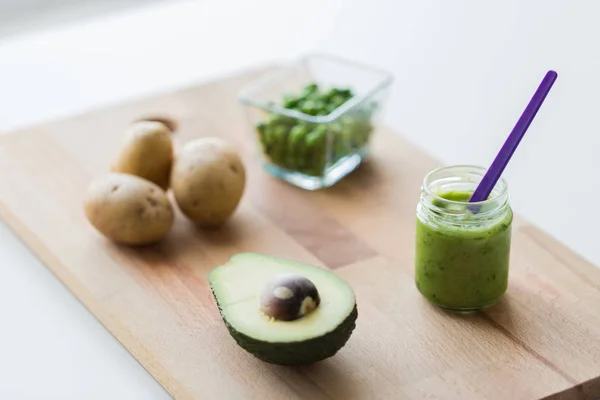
(464, 72)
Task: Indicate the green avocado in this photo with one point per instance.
(321, 333)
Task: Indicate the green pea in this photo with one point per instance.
(330, 108)
(315, 149)
(261, 129)
(346, 93)
(295, 145)
(261, 126)
(310, 88)
(290, 101)
(335, 130)
(329, 94)
(321, 128)
(337, 101)
(311, 107)
(277, 140)
(279, 119)
(318, 164)
(315, 142)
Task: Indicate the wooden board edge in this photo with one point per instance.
(570, 258)
(117, 330)
(587, 390)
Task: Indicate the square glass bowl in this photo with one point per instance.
(313, 120)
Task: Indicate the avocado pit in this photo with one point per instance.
(288, 297)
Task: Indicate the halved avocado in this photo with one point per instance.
(237, 287)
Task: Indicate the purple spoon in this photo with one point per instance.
(492, 175)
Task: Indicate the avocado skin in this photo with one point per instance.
(296, 353)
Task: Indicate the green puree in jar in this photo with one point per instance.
(462, 266)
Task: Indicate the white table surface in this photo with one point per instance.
(464, 72)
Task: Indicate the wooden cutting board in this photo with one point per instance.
(541, 340)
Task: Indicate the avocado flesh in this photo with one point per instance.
(320, 334)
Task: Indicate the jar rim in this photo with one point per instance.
(473, 169)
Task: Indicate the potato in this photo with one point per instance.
(128, 209)
(170, 123)
(147, 152)
(207, 180)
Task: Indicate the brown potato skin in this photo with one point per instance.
(147, 152)
(128, 209)
(208, 180)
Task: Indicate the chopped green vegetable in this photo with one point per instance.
(300, 146)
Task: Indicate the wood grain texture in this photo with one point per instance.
(542, 340)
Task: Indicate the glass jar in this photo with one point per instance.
(313, 120)
(462, 248)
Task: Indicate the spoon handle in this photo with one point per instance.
(510, 145)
